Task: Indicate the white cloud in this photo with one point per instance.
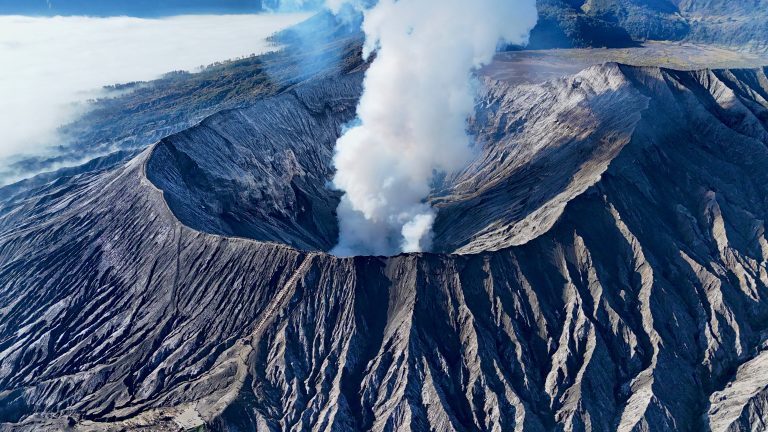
(50, 66)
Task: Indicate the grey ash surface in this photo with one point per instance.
(604, 268)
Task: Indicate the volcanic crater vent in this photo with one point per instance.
(263, 172)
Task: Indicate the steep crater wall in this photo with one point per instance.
(263, 172)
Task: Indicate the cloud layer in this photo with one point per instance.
(412, 116)
(51, 66)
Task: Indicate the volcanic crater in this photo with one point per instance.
(601, 261)
(264, 172)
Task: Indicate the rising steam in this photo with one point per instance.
(412, 116)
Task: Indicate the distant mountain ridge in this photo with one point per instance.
(615, 23)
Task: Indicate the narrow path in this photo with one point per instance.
(269, 312)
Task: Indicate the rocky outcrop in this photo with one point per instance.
(621, 286)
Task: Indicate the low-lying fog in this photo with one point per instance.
(50, 66)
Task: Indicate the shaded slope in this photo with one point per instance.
(261, 172)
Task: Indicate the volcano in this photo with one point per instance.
(600, 265)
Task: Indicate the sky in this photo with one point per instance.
(51, 65)
(135, 8)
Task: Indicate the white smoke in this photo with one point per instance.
(412, 116)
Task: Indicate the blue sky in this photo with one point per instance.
(136, 8)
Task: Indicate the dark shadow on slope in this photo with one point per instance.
(261, 172)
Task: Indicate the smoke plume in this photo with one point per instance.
(412, 116)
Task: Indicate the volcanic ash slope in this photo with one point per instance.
(604, 268)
